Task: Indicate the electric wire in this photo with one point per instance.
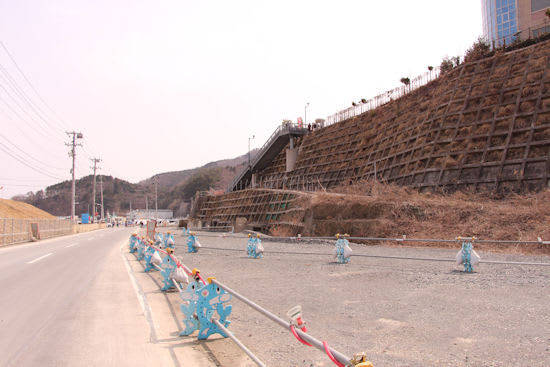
(31, 157)
(65, 126)
(33, 128)
(6, 150)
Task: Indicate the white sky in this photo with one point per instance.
(167, 85)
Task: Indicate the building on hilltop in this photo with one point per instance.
(506, 20)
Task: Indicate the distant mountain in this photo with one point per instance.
(175, 178)
(174, 190)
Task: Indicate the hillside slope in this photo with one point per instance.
(120, 195)
(18, 209)
(484, 125)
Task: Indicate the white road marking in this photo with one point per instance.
(39, 258)
(142, 298)
(74, 244)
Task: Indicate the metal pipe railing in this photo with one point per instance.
(239, 344)
(404, 239)
(285, 324)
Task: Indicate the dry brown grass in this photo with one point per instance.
(20, 210)
(376, 209)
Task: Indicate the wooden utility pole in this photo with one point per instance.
(96, 161)
(73, 144)
(102, 209)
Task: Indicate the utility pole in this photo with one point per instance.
(96, 161)
(146, 206)
(156, 198)
(73, 144)
(101, 185)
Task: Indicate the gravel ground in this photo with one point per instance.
(401, 312)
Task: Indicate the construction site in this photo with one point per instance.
(464, 152)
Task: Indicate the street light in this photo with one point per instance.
(249, 138)
(305, 113)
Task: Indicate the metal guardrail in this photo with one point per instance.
(383, 98)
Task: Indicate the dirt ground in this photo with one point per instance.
(17, 209)
(401, 312)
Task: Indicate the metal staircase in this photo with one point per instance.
(272, 147)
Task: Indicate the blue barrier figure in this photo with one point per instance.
(192, 243)
(149, 252)
(185, 231)
(158, 240)
(133, 242)
(249, 245)
(211, 300)
(169, 241)
(254, 247)
(190, 298)
(342, 251)
(140, 249)
(168, 266)
(467, 254)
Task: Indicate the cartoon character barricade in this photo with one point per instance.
(254, 248)
(171, 272)
(159, 240)
(200, 305)
(201, 302)
(467, 255)
(169, 241)
(342, 251)
(133, 243)
(152, 257)
(140, 249)
(193, 243)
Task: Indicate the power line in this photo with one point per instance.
(44, 131)
(31, 140)
(21, 117)
(30, 156)
(18, 185)
(23, 180)
(21, 160)
(12, 83)
(31, 85)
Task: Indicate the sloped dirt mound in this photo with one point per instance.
(393, 211)
(21, 210)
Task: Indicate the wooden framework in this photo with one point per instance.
(263, 209)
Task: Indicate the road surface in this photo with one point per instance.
(75, 301)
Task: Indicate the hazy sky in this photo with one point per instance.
(166, 85)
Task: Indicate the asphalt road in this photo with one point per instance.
(73, 301)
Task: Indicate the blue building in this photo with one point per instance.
(504, 21)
